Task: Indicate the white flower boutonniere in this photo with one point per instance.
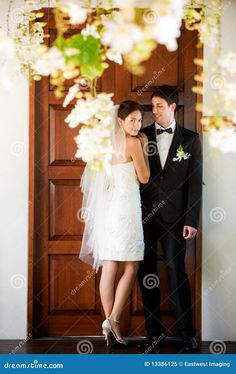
(181, 154)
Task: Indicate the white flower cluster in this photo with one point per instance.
(167, 18)
(96, 115)
(48, 61)
(76, 10)
(121, 35)
(162, 22)
(19, 50)
(27, 43)
(29, 34)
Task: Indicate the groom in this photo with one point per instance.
(171, 204)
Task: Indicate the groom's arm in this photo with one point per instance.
(194, 185)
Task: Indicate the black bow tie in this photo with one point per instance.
(159, 131)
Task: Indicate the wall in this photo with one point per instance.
(14, 109)
(219, 217)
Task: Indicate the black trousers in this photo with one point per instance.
(174, 248)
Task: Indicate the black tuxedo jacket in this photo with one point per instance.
(174, 191)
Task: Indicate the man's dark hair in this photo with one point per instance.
(168, 93)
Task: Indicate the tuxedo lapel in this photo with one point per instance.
(176, 141)
(153, 148)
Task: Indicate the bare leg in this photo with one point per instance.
(107, 281)
(123, 290)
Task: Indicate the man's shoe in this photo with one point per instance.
(190, 344)
(152, 342)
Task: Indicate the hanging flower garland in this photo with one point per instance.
(28, 33)
(126, 35)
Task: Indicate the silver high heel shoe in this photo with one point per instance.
(119, 340)
(106, 329)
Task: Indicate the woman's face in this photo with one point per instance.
(132, 123)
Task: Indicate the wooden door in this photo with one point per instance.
(64, 297)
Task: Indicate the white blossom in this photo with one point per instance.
(83, 111)
(228, 62)
(77, 13)
(224, 138)
(73, 90)
(114, 56)
(28, 43)
(49, 61)
(90, 30)
(96, 114)
(166, 29)
(208, 36)
(121, 35)
(89, 108)
(94, 146)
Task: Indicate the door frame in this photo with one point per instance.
(31, 209)
(31, 198)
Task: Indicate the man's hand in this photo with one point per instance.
(143, 138)
(189, 232)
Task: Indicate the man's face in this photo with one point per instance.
(163, 113)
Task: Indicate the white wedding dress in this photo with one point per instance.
(113, 228)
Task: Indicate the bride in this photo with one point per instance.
(113, 233)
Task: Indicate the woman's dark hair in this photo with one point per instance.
(168, 93)
(127, 107)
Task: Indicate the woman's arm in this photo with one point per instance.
(144, 141)
(139, 157)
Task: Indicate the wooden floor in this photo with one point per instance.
(95, 345)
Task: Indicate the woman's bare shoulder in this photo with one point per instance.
(132, 141)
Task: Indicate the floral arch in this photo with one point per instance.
(125, 32)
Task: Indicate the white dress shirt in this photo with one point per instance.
(164, 141)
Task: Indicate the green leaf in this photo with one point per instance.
(89, 51)
(88, 58)
(75, 41)
(60, 43)
(92, 71)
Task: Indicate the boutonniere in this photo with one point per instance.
(181, 154)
